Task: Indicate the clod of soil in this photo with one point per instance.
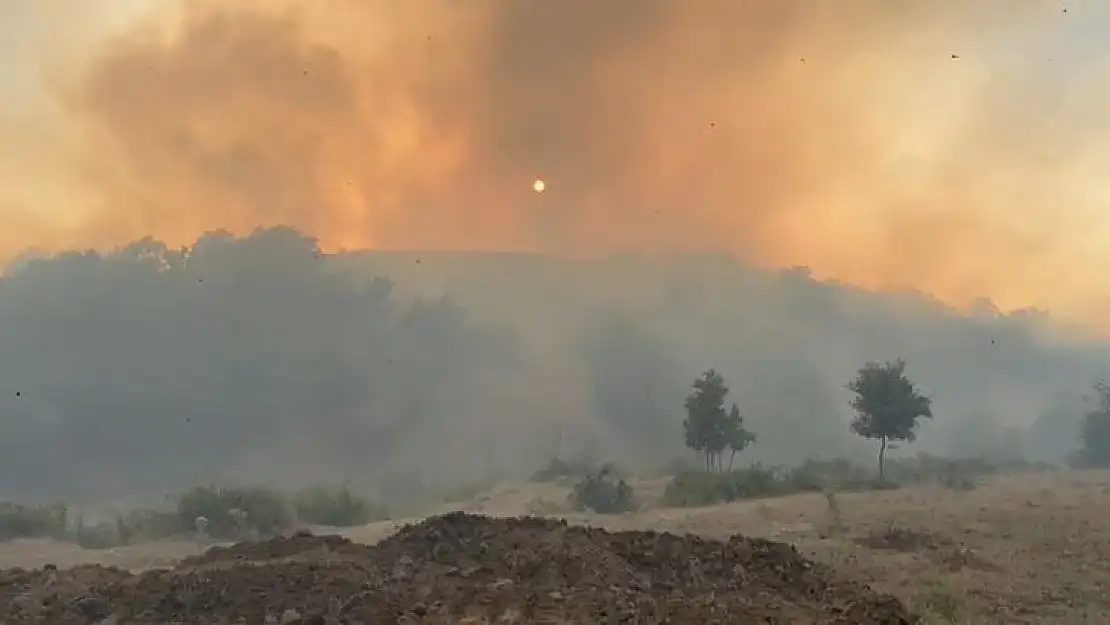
(457, 566)
(894, 538)
(935, 546)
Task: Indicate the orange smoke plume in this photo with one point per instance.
(883, 143)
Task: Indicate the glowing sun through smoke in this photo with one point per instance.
(539, 185)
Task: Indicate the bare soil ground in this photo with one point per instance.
(1018, 549)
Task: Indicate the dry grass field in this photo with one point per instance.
(1017, 549)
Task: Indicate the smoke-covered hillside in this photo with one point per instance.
(150, 369)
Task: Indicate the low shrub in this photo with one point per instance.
(956, 473)
(603, 493)
(55, 521)
(139, 525)
(261, 511)
(338, 507)
(833, 475)
(104, 535)
(703, 488)
(267, 511)
(20, 521)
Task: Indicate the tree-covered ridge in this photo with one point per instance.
(151, 364)
(158, 368)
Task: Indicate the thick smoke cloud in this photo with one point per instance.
(885, 143)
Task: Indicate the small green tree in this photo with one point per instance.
(887, 405)
(706, 420)
(736, 437)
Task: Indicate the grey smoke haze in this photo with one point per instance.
(257, 360)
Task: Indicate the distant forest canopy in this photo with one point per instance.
(257, 359)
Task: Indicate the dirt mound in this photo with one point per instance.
(460, 565)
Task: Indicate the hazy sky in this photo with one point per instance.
(956, 147)
(37, 38)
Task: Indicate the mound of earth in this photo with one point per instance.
(458, 565)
